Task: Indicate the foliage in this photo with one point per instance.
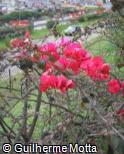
(38, 34)
(117, 5)
(13, 32)
(2, 45)
(19, 15)
(89, 17)
(52, 26)
(93, 9)
(114, 32)
(69, 10)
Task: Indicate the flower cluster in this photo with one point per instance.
(49, 51)
(66, 56)
(21, 43)
(16, 43)
(19, 23)
(71, 57)
(115, 86)
(57, 82)
(97, 69)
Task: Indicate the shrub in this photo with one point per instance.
(52, 24)
(13, 32)
(69, 10)
(92, 17)
(21, 15)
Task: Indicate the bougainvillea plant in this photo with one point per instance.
(60, 60)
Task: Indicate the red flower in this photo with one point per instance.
(104, 72)
(33, 59)
(50, 49)
(96, 68)
(27, 35)
(61, 64)
(114, 86)
(74, 66)
(122, 85)
(64, 42)
(63, 84)
(56, 82)
(53, 81)
(70, 84)
(75, 51)
(48, 66)
(46, 82)
(75, 45)
(84, 64)
(16, 43)
(120, 112)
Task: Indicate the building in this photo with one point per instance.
(12, 5)
(9, 3)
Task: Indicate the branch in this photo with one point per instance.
(64, 108)
(93, 103)
(106, 123)
(37, 109)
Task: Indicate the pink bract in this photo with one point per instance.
(120, 112)
(114, 86)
